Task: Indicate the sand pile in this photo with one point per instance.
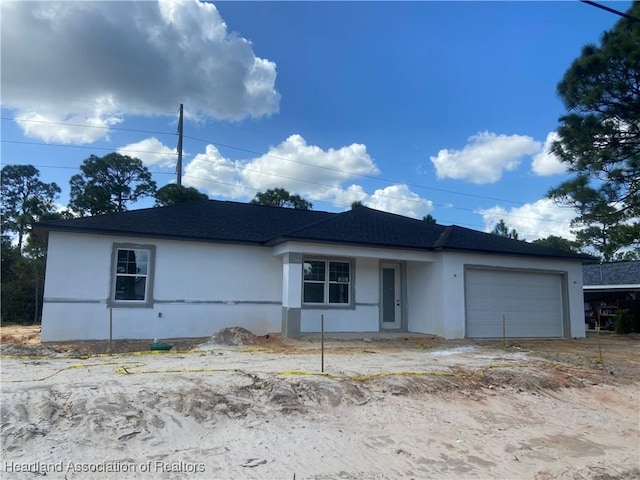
(231, 337)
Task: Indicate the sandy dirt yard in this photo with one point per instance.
(412, 407)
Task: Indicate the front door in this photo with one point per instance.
(391, 296)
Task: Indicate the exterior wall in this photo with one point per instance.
(198, 289)
(425, 298)
(202, 287)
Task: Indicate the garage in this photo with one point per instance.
(531, 303)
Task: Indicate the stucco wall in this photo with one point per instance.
(425, 298)
(201, 287)
(198, 289)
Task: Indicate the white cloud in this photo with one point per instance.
(308, 169)
(346, 196)
(546, 163)
(401, 200)
(152, 152)
(532, 220)
(485, 157)
(316, 174)
(87, 127)
(214, 174)
(93, 62)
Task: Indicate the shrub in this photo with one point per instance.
(623, 322)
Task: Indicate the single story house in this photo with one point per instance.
(609, 287)
(189, 270)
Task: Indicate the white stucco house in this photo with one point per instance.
(189, 270)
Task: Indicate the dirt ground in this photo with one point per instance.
(410, 407)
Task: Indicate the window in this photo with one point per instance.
(326, 282)
(131, 283)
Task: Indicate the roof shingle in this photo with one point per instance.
(233, 222)
(620, 273)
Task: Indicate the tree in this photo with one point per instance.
(502, 230)
(279, 197)
(173, 194)
(356, 204)
(109, 184)
(599, 140)
(18, 291)
(559, 243)
(24, 199)
(429, 219)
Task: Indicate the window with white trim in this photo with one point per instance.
(131, 282)
(326, 282)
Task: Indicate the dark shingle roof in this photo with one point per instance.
(621, 273)
(232, 222)
(365, 226)
(209, 220)
(459, 238)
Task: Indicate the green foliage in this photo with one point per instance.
(25, 198)
(600, 140)
(108, 184)
(502, 230)
(279, 197)
(10, 255)
(18, 293)
(559, 243)
(623, 322)
(429, 219)
(37, 242)
(628, 255)
(173, 194)
(356, 204)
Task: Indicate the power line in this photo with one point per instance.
(244, 187)
(334, 187)
(611, 10)
(100, 127)
(42, 144)
(292, 178)
(361, 175)
(254, 152)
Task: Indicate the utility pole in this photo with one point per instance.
(179, 147)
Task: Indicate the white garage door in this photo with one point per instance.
(530, 302)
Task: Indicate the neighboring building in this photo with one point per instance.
(609, 287)
(189, 270)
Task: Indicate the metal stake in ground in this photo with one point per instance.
(322, 343)
(504, 331)
(111, 330)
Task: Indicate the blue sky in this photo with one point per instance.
(441, 108)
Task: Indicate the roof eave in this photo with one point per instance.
(283, 239)
(625, 287)
(577, 257)
(160, 236)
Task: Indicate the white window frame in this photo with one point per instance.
(147, 302)
(327, 282)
